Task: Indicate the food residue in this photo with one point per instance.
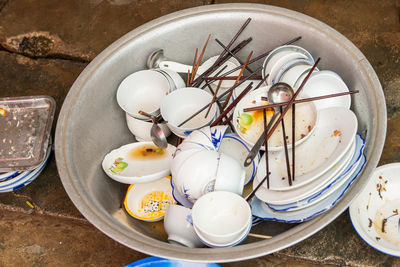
(384, 221)
(369, 223)
(146, 152)
(377, 238)
(153, 205)
(337, 133)
(3, 112)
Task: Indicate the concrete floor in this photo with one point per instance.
(44, 45)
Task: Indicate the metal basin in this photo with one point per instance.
(91, 123)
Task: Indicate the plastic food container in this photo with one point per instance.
(25, 124)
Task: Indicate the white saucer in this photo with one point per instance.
(137, 170)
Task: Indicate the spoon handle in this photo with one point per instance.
(256, 148)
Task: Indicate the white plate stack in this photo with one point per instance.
(327, 162)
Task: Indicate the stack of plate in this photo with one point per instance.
(25, 139)
(11, 181)
(326, 163)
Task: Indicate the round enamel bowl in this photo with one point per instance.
(375, 212)
(91, 110)
(180, 104)
(143, 90)
(221, 217)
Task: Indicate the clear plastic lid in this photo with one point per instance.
(25, 124)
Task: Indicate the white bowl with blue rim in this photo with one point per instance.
(277, 54)
(291, 72)
(261, 210)
(374, 213)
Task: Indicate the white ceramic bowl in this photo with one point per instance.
(279, 52)
(221, 217)
(280, 64)
(178, 226)
(292, 71)
(180, 104)
(141, 128)
(325, 83)
(234, 242)
(197, 176)
(306, 119)
(143, 90)
(174, 79)
(230, 175)
(375, 211)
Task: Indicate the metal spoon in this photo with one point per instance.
(156, 133)
(278, 93)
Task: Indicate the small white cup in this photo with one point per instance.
(178, 225)
(180, 104)
(221, 217)
(143, 90)
(230, 175)
(141, 128)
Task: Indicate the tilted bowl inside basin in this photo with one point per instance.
(91, 123)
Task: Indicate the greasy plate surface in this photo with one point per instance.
(98, 198)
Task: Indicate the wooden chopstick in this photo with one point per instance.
(298, 101)
(213, 98)
(266, 147)
(230, 53)
(200, 58)
(286, 150)
(194, 63)
(237, 79)
(219, 97)
(229, 78)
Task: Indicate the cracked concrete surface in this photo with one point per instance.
(44, 45)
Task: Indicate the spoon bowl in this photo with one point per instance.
(279, 92)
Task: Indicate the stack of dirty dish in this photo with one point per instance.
(328, 150)
(25, 139)
(144, 91)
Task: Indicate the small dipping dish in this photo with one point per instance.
(179, 105)
(149, 201)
